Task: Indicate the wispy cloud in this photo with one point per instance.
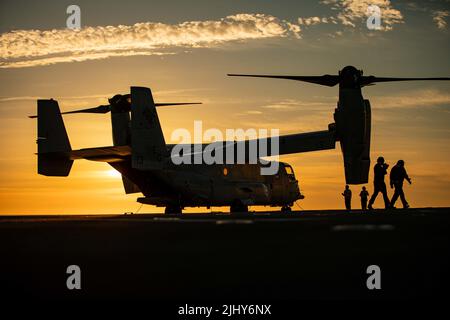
(416, 99)
(76, 57)
(351, 12)
(65, 102)
(253, 112)
(290, 104)
(314, 114)
(310, 21)
(26, 48)
(439, 18)
(33, 98)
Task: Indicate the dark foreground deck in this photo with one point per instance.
(221, 257)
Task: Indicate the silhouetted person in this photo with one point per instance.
(364, 195)
(397, 175)
(379, 170)
(347, 197)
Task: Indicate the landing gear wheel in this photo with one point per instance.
(173, 209)
(286, 209)
(238, 206)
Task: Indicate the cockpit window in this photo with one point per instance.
(289, 173)
(289, 170)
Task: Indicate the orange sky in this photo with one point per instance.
(410, 120)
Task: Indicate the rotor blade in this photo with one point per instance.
(325, 80)
(371, 79)
(164, 104)
(107, 108)
(100, 109)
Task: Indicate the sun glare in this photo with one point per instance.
(113, 173)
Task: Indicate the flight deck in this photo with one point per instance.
(218, 257)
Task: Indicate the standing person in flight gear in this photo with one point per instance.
(348, 198)
(397, 175)
(364, 195)
(379, 170)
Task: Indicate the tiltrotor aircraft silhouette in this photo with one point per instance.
(145, 161)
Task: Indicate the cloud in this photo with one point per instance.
(315, 114)
(34, 98)
(26, 48)
(356, 11)
(291, 104)
(439, 18)
(77, 57)
(415, 99)
(253, 112)
(310, 21)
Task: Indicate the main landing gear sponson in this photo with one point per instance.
(173, 209)
(238, 206)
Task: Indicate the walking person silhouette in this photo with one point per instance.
(379, 170)
(397, 175)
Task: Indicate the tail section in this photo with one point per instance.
(147, 140)
(120, 124)
(53, 142)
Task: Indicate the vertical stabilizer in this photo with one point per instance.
(53, 142)
(148, 147)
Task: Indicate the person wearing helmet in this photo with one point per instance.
(379, 170)
(397, 176)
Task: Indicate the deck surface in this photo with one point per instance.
(215, 257)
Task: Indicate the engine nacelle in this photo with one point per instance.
(353, 132)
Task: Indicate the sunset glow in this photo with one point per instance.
(185, 56)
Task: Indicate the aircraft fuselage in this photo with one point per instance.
(214, 185)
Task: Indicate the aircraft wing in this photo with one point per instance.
(288, 144)
(306, 142)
